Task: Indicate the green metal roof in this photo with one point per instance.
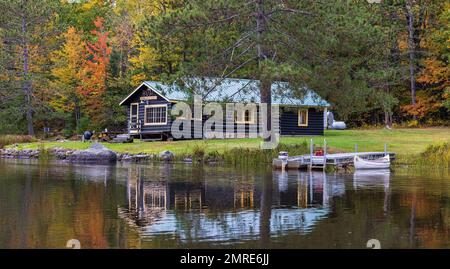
(236, 90)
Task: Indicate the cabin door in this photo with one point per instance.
(134, 117)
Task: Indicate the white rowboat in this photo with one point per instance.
(283, 156)
(381, 163)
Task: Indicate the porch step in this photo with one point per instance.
(151, 139)
(122, 138)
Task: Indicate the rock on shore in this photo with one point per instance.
(166, 155)
(97, 153)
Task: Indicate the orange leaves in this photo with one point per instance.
(96, 69)
(98, 24)
(100, 49)
(435, 71)
(424, 105)
(80, 68)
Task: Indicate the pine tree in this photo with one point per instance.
(25, 29)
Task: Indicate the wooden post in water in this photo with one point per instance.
(311, 149)
(385, 149)
(324, 154)
(356, 148)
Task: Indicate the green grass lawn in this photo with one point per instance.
(401, 141)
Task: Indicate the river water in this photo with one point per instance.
(43, 205)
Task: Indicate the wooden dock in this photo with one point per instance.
(335, 159)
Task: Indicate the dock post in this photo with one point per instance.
(356, 148)
(324, 154)
(311, 149)
(385, 149)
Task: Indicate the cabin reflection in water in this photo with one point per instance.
(146, 201)
(247, 208)
(243, 195)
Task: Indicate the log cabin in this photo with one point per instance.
(149, 107)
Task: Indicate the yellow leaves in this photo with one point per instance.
(138, 78)
(144, 59)
(146, 55)
(137, 10)
(92, 4)
(69, 59)
(67, 71)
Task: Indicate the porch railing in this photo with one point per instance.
(134, 126)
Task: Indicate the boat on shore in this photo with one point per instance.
(381, 163)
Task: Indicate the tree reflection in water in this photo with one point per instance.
(161, 205)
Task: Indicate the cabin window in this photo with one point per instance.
(155, 115)
(303, 117)
(248, 117)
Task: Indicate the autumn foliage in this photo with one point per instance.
(95, 70)
(376, 64)
(81, 72)
(425, 104)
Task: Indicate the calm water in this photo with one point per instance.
(172, 206)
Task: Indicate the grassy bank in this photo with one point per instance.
(437, 155)
(13, 139)
(405, 142)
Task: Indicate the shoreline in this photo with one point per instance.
(63, 154)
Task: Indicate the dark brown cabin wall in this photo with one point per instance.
(289, 123)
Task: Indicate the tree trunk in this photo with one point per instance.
(412, 52)
(266, 82)
(388, 119)
(77, 112)
(26, 86)
(123, 63)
